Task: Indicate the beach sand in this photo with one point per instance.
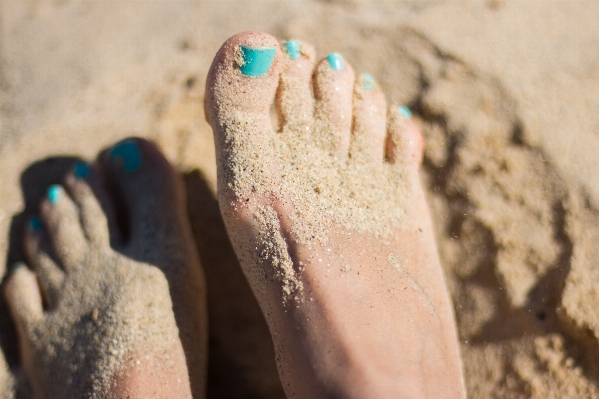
(507, 96)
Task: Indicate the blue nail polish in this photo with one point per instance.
(81, 170)
(335, 61)
(126, 155)
(368, 81)
(292, 48)
(405, 112)
(256, 61)
(35, 224)
(54, 193)
(15, 267)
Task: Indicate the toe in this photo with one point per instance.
(244, 76)
(149, 190)
(62, 224)
(240, 90)
(404, 141)
(294, 95)
(333, 90)
(23, 297)
(37, 249)
(370, 122)
(85, 186)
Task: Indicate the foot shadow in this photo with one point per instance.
(241, 355)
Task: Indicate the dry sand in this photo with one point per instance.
(507, 93)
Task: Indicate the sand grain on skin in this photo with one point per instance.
(316, 187)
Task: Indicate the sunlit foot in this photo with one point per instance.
(330, 223)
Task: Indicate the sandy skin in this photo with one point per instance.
(359, 308)
(109, 309)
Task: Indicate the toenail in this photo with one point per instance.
(15, 267)
(405, 112)
(256, 61)
(81, 170)
(54, 192)
(335, 61)
(368, 81)
(35, 224)
(126, 156)
(292, 48)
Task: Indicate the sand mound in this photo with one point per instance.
(507, 97)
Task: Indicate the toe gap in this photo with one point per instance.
(275, 116)
(121, 211)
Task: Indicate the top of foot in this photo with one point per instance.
(328, 157)
(329, 220)
(99, 322)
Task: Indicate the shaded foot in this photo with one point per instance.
(330, 223)
(93, 321)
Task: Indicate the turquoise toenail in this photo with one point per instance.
(126, 155)
(405, 112)
(16, 266)
(256, 61)
(81, 170)
(292, 48)
(335, 61)
(35, 224)
(368, 81)
(54, 193)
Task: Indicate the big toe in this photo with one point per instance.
(240, 90)
(148, 193)
(244, 76)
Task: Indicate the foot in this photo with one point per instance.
(96, 322)
(330, 223)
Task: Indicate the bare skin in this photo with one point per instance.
(94, 321)
(383, 328)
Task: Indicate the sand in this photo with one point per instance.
(506, 92)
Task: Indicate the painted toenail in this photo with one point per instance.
(16, 266)
(368, 81)
(35, 224)
(81, 170)
(54, 193)
(292, 48)
(335, 61)
(256, 61)
(405, 112)
(126, 156)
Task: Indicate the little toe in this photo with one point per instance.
(23, 297)
(63, 226)
(240, 90)
(37, 250)
(404, 141)
(85, 186)
(333, 90)
(150, 191)
(294, 95)
(370, 121)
